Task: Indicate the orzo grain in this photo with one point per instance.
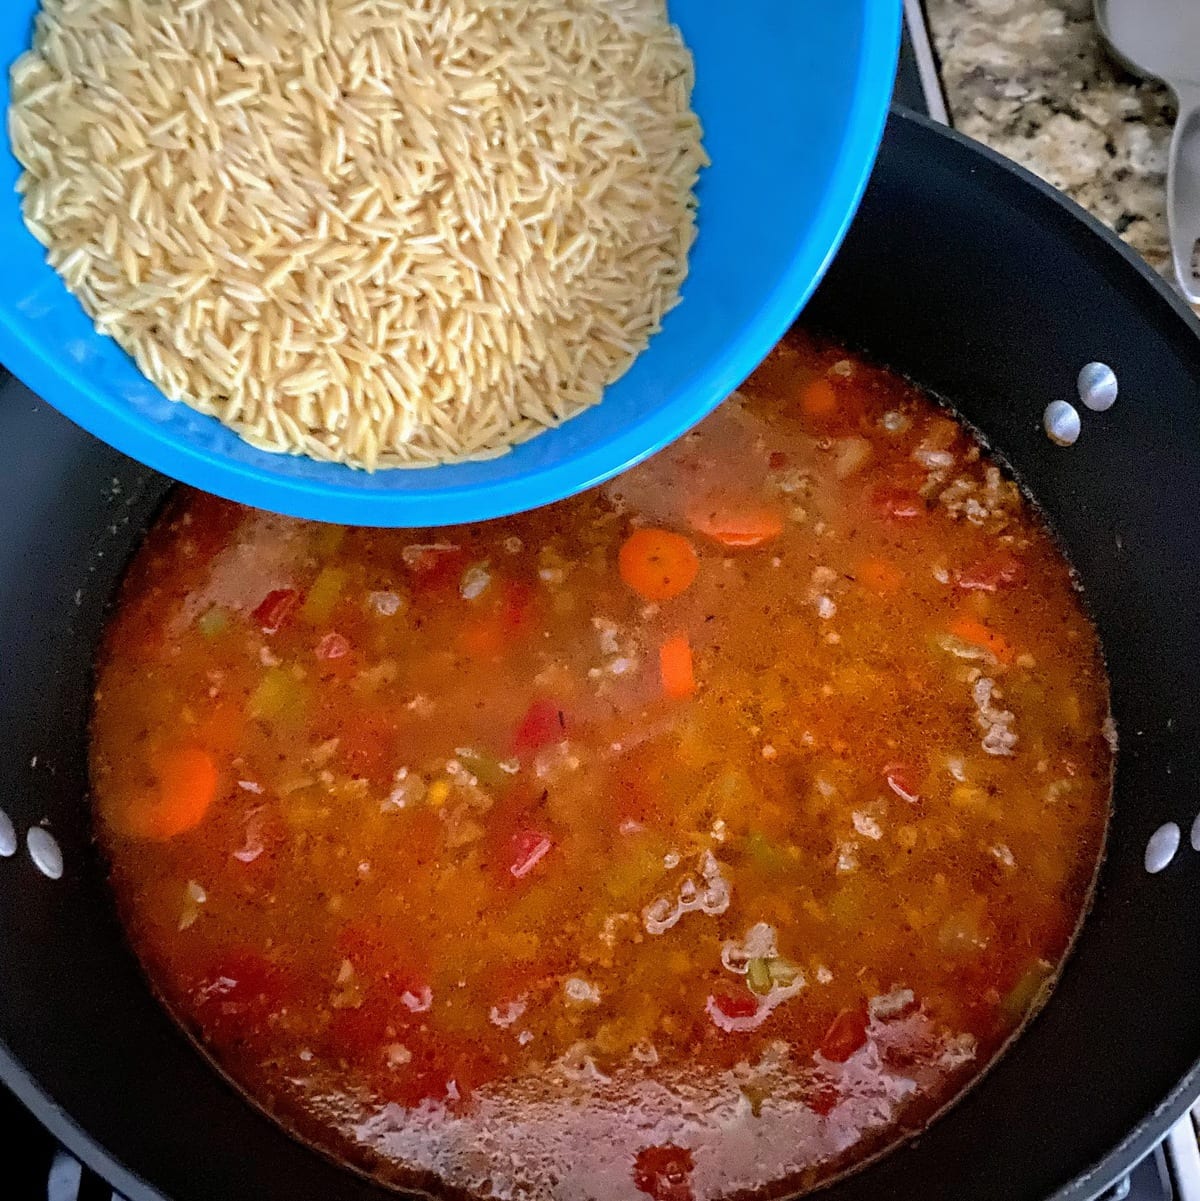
(388, 233)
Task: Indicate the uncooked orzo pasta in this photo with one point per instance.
(385, 232)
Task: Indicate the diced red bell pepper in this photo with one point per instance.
(846, 1034)
(543, 723)
(275, 609)
(736, 1005)
(903, 780)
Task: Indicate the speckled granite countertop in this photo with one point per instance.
(1031, 79)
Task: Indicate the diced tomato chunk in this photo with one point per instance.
(897, 504)
(664, 1172)
(332, 646)
(542, 724)
(902, 779)
(529, 848)
(999, 571)
(736, 1005)
(275, 609)
(846, 1034)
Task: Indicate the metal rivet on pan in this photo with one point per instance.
(1196, 833)
(1098, 387)
(8, 836)
(1061, 422)
(1161, 846)
(45, 852)
(65, 1176)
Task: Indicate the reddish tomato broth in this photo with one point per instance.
(704, 833)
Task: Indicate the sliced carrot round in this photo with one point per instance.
(657, 564)
(736, 523)
(183, 788)
(818, 399)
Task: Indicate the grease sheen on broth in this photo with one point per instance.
(704, 833)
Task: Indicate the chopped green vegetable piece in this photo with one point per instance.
(766, 854)
(484, 767)
(758, 976)
(213, 622)
(277, 694)
(323, 595)
(1023, 995)
(782, 973)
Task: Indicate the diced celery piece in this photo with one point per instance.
(782, 973)
(278, 693)
(758, 977)
(1025, 993)
(766, 854)
(323, 595)
(484, 767)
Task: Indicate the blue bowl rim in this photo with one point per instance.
(213, 471)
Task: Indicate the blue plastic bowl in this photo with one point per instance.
(792, 95)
